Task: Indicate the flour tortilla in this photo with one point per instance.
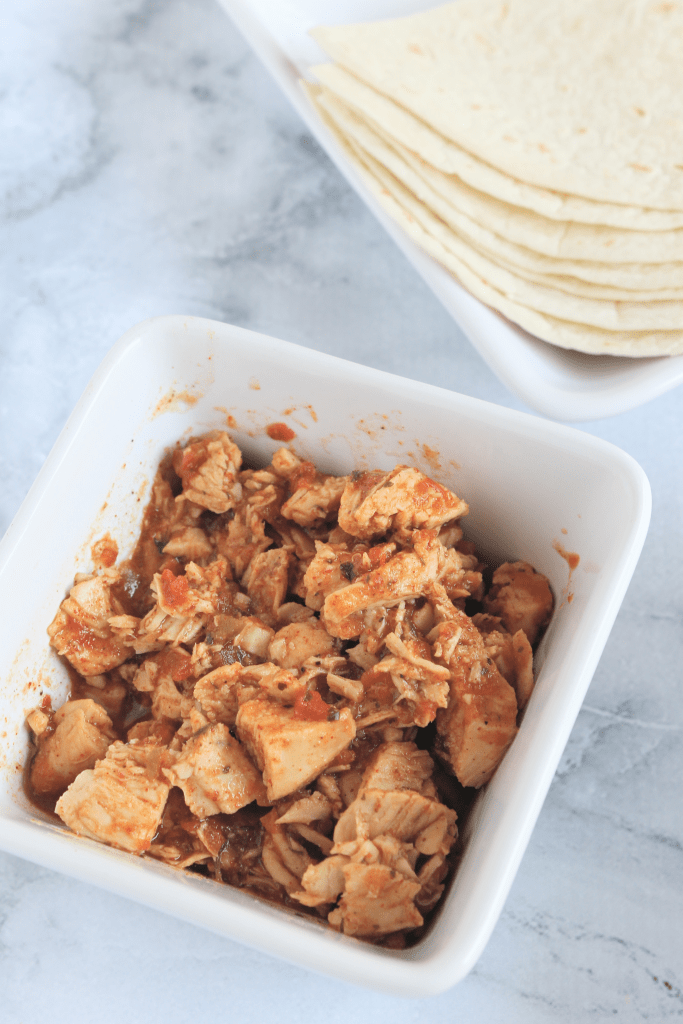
(608, 315)
(515, 235)
(577, 96)
(583, 289)
(442, 154)
(564, 333)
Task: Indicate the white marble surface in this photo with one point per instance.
(148, 165)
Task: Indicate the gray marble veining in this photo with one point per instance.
(149, 165)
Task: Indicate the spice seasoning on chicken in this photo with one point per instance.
(250, 689)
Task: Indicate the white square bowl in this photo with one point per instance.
(530, 484)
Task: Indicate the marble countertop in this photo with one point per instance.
(149, 165)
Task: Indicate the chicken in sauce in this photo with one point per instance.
(260, 692)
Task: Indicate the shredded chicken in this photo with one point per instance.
(400, 577)
(403, 500)
(250, 689)
(208, 468)
(314, 502)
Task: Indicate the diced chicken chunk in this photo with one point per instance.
(522, 598)
(254, 637)
(189, 542)
(38, 722)
(420, 682)
(158, 675)
(403, 500)
(221, 692)
(480, 722)
(289, 750)
(266, 581)
(352, 689)
(330, 570)
(153, 732)
(215, 773)
(431, 876)
(513, 658)
(286, 463)
(377, 901)
(183, 605)
(295, 539)
(111, 696)
(121, 800)
(403, 814)
(82, 733)
(329, 787)
(323, 882)
(398, 766)
(81, 632)
(199, 591)
(292, 611)
(377, 882)
(296, 643)
(315, 502)
(208, 468)
(218, 693)
(314, 807)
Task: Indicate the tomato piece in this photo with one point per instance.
(310, 707)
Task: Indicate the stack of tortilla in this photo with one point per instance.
(535, 149)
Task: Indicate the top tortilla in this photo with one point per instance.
(447, 157)
(588, 245)
(576, 96)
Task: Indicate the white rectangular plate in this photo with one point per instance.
(558, 383)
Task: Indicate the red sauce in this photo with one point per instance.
(304, 476)
(432, 456)
(346, 757)
(104, 552)
(191, 459)
(426, 709)
(187, 460)
(280, 432)
(570, 557)
(310, 707)
(380, 554)
(269, 822)
(173, 589)
(176, 661)
(379, 689)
